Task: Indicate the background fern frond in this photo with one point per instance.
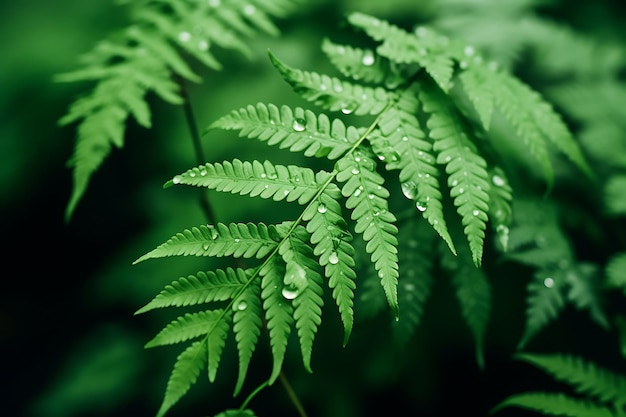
(203, 287)
(554, 404)
(466, 168)
(357, 63)
(586, 377)
(402, 143)
(304, 284)
(266, 180)
(296, 130)
(236, 239)
(500, 206)
(367, 198)
(615, 271)
(331, 93)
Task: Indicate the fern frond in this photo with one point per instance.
(279, 182)
(545, 301)
(554, 404)
(416, 255)
(296, 130)
(500, 206)
(331, 93)
(247, 327)
(615, 271)
(204, 287)
(614, 191)
(236, 239)
(236, 413)
(189, 326)
(304, 285)
(467, 170)
(356, 63)
(584, 291)
(185, 373)
(331, 239)
(278, 311)
(425, 48)
(586, 377)
(367, 198)
(473, 291)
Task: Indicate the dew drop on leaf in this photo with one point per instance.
(548, 282)
(184, 36)
(298, 125)
(203, 45)
(368, 59)
(333, 258)
(355, 171)
(242, 305)
(409, 189)
(421, 206)
(205, 246)
(475, 212)
(321, 209)
(289, 292)
(177, 179)
(338, 88)
(497, 180)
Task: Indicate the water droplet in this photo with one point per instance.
(409, 287)
(355, 171)
(448, 159)
(461, 190)
(497, 180)
(214, 234)
(405, 138)
(203, 172)
(242, 305)
(236, 240)
(299, 125)
(371, 196)
(321, 209)
(177, 179)
(455, 183)
(323, 87)
(249, 9)
(463, 64)
(469, 50)
(548, 282)
(184, 36)
(289, 292)
(421, 206)
(409, 189)
(368, 59)
(341, 50)
(347, 110)
(475, 212)
(192, 174)
(205, 246)
(203, 45)
(286, 192)
(358, 191)
(333, 258)
(338, 88)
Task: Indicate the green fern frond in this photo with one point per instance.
(554, 404)
(331, 239)
(402, 144)
(216, 340)
(204, 287)
(331, 93)
(615, 271)
(425, 48)
(416, 255)
(236, 239)
(278, 312)
(476, 85)
(466, 168)
(279, 182)
(357, 63)
(614, 191)
(304, 285)
(247, 327)
(296, 130)
(367, 198)
(586, 377)
(584, 291)
(189, 326)
(473, 291)
(185, 373)
(545, 301)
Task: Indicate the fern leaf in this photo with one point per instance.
(426, 48)
(476, 85)
(296, 130)
(402, 145)
(582, 280)
(189, 326)
(586, 377)
(615, 271)
(185, 373)
(236, 239)
(279, 182)
(544, 303)
(332, 93)
(304, 289)
(474, 294)
(356, 63)
(278, 312)
(367, 198)
(204, 287)
(216, 340)
(614, 191)
(247, 327)
(554, 404)
(331, 240)
(416, 255)
(467, 175)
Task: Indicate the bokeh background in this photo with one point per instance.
(70, 344)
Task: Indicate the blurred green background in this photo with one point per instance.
(70, 343)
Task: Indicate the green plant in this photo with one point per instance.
(422, 159)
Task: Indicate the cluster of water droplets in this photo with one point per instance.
(186, 37)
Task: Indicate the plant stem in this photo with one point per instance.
(197, 145)
(292, 394)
